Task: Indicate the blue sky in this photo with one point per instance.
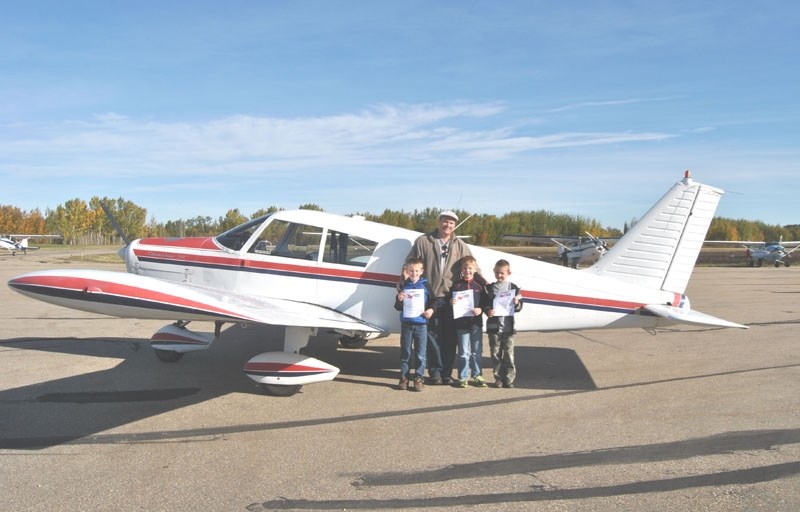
(589, 108)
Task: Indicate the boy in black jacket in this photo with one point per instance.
(502, 301)
(466, 298)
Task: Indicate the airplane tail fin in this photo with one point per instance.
(661, 249)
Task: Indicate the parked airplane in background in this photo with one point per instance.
(309, 270)
(572, 250)
(756, 253)
(14, 246)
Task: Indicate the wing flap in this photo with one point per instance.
(133, 296)
(688, 316)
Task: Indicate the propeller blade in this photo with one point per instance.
(115, 224)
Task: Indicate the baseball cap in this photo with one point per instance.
(449, 213)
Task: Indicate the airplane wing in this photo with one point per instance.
(688, 316)
(133, 296)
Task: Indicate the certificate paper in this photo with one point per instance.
(503, 304)
(413, 303)
(464, 304)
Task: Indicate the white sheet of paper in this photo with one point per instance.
(413, 303)
(464, 304)
(503, 304)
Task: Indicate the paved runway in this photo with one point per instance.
(687, 419)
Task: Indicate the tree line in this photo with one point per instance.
(85, 223)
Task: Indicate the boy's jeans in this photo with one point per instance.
(416, 336)
(470, 351)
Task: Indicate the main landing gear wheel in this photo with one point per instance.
(353, 342)
(276, 390)
(168, 356)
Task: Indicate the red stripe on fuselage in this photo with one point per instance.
(185, 243)
(583, 301)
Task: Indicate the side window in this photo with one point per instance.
(347, 249)
(289, 240)
(269, 237)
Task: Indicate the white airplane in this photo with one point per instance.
(572, 250)
(309, 270)
(756, 253)
(14, 246)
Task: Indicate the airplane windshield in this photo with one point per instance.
(235, 238)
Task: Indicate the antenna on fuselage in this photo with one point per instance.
(463, 221)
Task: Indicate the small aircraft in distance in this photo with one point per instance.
(19, 243)
(308, 270)
(14, 246)
(756, 253)
(572, 250)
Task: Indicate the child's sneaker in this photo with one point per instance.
(462, 383)
(418, 384)
(402, 385)
(478, 382)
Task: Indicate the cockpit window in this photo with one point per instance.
(289, 240)
(235, 238)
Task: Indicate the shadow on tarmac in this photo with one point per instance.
(43, 414)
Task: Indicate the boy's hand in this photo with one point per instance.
(401, 296)
(427, 313)
(490, 313)
(477, 311)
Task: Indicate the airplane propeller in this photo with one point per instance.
(123, 252)
(115, 224)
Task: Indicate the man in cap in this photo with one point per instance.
(441, 250)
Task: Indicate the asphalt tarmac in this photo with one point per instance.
(685, 419)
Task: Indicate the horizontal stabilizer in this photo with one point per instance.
(687, 316)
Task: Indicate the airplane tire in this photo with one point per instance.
(168, 356)
(352, 342)
(778, 264)
(760, 262)
(276, 390)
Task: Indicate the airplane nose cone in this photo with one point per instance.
(131, 261)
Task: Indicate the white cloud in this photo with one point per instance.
(394, 135)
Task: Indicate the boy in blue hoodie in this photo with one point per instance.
(415, 303)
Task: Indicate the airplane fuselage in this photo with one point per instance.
(364, 286)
